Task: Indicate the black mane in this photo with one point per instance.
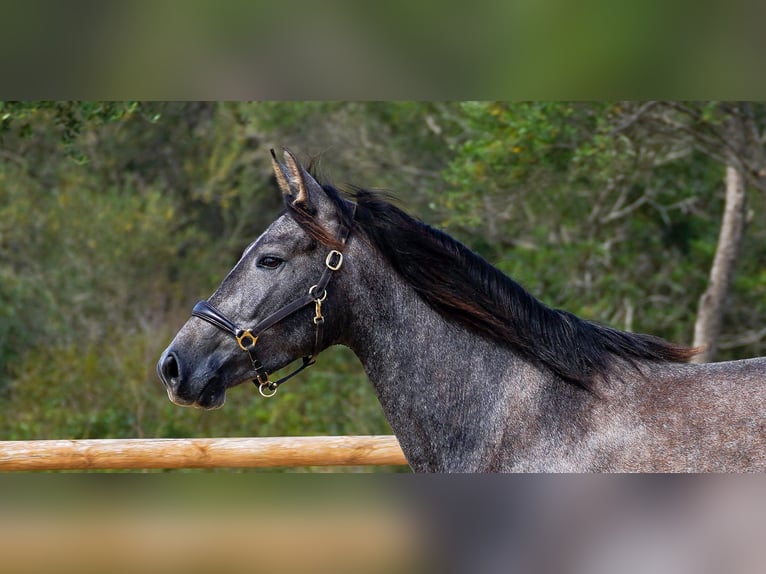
(464, 287)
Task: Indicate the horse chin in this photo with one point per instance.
(179, 401)
(213, 396)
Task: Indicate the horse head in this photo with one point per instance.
(272, 307)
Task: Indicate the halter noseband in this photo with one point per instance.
(247, 338)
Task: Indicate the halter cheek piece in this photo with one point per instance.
(247, 338)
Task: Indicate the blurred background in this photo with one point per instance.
(115, 217)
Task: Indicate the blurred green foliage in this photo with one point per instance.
(116, 217)
(611, 209)
(395, 50)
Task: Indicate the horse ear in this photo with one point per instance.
(281, 174)
(298, 186)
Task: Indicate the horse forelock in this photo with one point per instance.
(463, 287)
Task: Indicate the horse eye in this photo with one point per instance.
(269, 262)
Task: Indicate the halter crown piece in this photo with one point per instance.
(248, 338)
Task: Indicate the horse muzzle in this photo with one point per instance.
(210, 395)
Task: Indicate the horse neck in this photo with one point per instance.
(440, 385)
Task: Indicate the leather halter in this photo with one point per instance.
(247, 338)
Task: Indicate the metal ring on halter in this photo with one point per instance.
(316, 298)
(270, 385)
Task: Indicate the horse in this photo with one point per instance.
(473, 373)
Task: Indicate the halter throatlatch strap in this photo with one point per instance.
(248, 338)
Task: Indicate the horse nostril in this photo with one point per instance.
(169, 370)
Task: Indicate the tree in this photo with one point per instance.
(727, 133)
(620, 198)
(707, 327)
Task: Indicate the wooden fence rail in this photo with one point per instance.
(200, 453)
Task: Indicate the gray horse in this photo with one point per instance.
(474, 374)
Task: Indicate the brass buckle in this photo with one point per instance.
(330, 255)
(243, 336)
